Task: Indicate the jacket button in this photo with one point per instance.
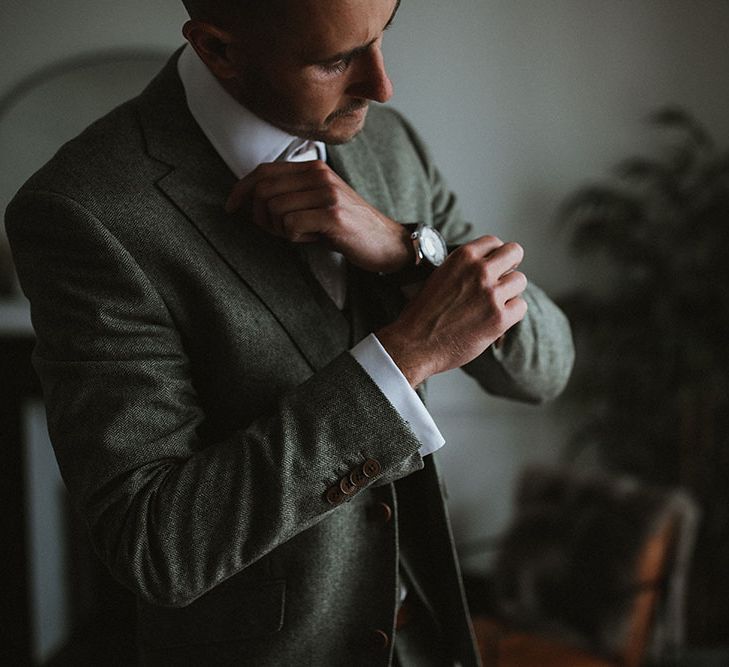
(371, 468)
(380, 639)
(380, 512)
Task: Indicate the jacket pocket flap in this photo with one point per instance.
(226, 613)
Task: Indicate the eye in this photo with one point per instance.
(336, 67)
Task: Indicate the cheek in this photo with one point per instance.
(319, 100)
(308, 96)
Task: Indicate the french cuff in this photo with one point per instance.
(378, 364)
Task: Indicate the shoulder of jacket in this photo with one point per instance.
(384, 122)
(107, 147)
(388, 129)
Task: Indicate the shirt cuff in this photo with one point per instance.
(370, 354)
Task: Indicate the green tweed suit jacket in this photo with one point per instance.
(203, 406)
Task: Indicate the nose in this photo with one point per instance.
(372, 82)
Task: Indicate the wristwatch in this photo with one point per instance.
(430, 247)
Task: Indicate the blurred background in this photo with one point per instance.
(538, 116)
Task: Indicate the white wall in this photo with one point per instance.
(521, 101)
(38, 32)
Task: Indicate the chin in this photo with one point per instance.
(335, 139)
(338, 130)
(344, 128)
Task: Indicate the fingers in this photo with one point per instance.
(479, 248)
(503, 300)
(504, 259)
(275, 178)
(272, 214)
(502, 256)
(301, 201)
(277, 190)
(305, 226)
(467, 304)
(271, 187)
(492, 268)
(507, 290)
(490, 257)
(515, 310)
(511, 285)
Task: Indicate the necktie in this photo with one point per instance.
(327, 266)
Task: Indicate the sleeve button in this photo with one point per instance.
(371, 468)
(358, 478)
(346, 486)
(334, 496)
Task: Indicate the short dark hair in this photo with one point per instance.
(222, 11)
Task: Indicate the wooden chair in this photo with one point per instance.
(663, 550)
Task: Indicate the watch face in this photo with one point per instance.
(433, 246)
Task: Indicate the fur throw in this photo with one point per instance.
(567, 565)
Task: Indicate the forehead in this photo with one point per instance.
(318, 28)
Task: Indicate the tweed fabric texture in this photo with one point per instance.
(201, 400)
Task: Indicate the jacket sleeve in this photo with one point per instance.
(536, 358)
(171, 514)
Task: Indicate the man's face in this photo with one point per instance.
(315, 66)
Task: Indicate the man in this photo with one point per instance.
(250, 458)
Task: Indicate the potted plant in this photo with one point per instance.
(652, 333)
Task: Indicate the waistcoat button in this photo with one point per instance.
(380, 639)
(384, 511)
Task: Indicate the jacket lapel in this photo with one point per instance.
(198, 183)
(357, 163)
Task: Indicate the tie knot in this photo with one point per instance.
(299, 150)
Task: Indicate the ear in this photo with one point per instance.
(211, 44)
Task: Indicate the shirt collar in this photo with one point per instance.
(241, 138)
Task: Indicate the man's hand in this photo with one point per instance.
(465, 305)
(307, 201)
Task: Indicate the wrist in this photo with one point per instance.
(426, 251)
(403, 251)
(406, 354)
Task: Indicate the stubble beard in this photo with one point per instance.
(262, 101)
(325, 132)
(342, 115)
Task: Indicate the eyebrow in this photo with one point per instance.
(392, 18)
(353, 53)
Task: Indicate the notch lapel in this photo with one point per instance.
(198, 183)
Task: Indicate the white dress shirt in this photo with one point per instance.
(244, 141)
